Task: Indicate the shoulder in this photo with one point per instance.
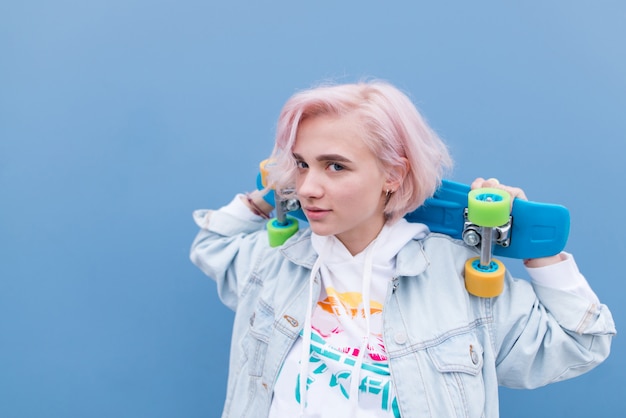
(432, 251)
(441, 245)
(298, 249)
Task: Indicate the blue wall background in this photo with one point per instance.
(119, 117)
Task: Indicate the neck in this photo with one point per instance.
(356, 243)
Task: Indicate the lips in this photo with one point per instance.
(315, 213)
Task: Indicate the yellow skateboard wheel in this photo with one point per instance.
(488, 207)
(279, 233)
(484, 281)
(264, 171)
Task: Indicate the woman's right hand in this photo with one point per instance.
(256, 203)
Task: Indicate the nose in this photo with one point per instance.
(309, 185)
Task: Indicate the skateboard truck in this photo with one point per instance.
(487, 223)
(285, 206)
(471, 233)
(282, 226)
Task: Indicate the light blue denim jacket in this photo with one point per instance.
(448, 350)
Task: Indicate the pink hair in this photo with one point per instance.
(392, 128)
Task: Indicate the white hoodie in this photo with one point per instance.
(344, 332)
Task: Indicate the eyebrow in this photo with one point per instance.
(326, 157)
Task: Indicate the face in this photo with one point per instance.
(339, 182)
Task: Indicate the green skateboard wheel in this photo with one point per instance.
(488, 207)
(279, 233)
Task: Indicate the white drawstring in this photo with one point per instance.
(307, 329)
(306, 333)
(355, 381)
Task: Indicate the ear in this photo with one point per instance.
(396, 175)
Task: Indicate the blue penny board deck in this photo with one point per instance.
(538, 229)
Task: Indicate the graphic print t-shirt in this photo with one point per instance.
(338, 330)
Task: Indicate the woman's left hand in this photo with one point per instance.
(515, 192)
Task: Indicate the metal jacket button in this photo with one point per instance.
(473, 355)
(400, 338)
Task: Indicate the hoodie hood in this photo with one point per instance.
(389, 242)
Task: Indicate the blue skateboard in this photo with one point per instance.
(533, 230)
(482, 218)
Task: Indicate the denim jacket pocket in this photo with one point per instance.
(461, 353)
(257, 340)
(459, 361)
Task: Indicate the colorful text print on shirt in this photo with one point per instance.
(340, 321)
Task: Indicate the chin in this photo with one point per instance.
(323, 232)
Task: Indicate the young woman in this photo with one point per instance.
(363, 314)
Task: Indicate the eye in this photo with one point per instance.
(301, 164)
(335, 167)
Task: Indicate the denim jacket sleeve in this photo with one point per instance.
(548, 334)
(226, 249)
